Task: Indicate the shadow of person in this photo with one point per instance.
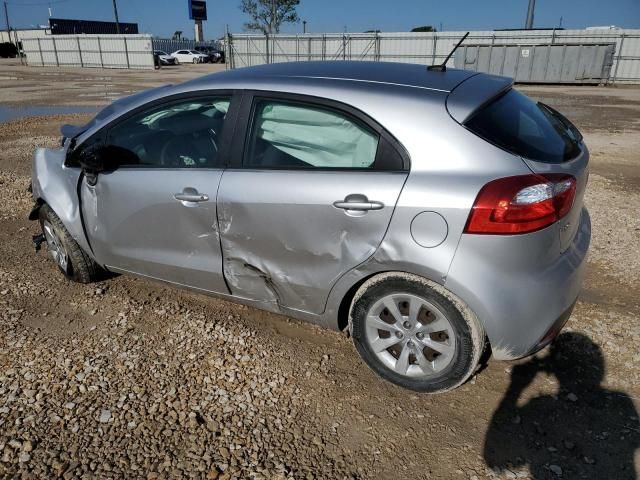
(585, 431)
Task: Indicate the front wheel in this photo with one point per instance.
(65, 251)
(414, 333)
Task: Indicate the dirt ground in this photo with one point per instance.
(131, 379)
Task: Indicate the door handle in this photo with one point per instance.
(358, 205)
(191, 195)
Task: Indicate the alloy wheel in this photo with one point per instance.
(410, 335)
(55, 246)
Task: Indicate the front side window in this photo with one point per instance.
(184, 134)
(295, 135)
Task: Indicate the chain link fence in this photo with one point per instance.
(170, 46)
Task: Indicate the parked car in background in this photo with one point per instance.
(189, 56)
(428, 213)
(215, 55)
(165, 58)
(8, 50)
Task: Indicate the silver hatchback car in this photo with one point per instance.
(432, 214)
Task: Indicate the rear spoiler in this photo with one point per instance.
(474, 93)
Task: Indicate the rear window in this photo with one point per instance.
(532, 130)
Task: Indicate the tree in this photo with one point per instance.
(424, 28)
(268, 15)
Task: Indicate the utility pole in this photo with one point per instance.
(304, 26)
(115, 11)
(6, 18)
(532, 7)
(15, 34)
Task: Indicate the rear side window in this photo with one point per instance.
(295, 135)
(521, 126)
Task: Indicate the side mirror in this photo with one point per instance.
(104, 158)
(92, 160)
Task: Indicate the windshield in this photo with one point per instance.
(160, 52)
(532, 130)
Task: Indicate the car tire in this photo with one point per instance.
(434, 341)
(76, 264)
(195, 60)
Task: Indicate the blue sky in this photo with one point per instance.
(163, 17)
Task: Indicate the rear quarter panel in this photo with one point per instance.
(449, 166)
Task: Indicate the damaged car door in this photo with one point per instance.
(151, 208)
(309, 194)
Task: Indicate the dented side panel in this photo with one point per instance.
(56, 185)
(284, 242)
(135, 224)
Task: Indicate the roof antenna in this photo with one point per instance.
(443, 67)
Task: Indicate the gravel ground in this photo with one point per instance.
(130, 379)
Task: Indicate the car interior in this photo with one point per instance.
(173, 138)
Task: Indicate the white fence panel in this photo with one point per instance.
(106, 51)
(422, 48)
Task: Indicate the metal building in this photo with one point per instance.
(64, 26)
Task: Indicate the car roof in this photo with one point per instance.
(380, 73)
(418, 93)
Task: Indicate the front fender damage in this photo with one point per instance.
(57, 186)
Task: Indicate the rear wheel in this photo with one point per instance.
(414, 333)
(65, 251)
(195, 60)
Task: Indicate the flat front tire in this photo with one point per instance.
(414, 333)
(72, 261)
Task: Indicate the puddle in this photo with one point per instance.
(7, 114)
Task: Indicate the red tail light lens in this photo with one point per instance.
(521, 204)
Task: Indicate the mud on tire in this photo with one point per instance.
(468, 335)
(79, 266)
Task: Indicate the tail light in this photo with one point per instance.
(521, 204)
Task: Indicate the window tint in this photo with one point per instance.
(516, 123)
(294, 135)
(184, 134)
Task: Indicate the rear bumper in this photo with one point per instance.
(553, 331)
(520, 287)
